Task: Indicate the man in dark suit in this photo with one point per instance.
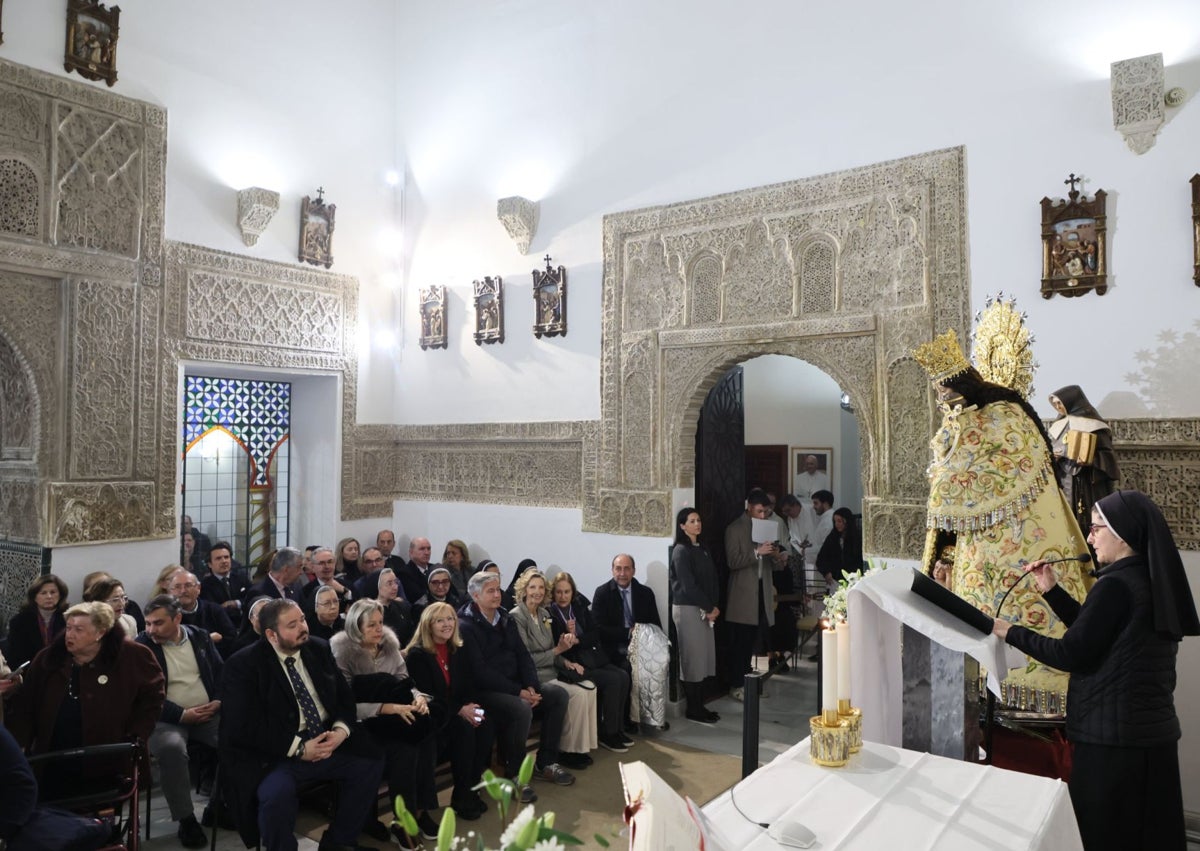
(323, 564)
(288, 718)
(277, 584)
(223, 587)
(414, 576)
(620, 603)
(617, 605)
(200, 613)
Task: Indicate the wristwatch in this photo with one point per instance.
(300, 751)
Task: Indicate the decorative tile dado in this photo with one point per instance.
(852, 268)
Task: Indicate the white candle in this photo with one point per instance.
(829, 670)
(843, 660)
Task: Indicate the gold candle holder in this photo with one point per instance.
(851, 716)
(829, 743)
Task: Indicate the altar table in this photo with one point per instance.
(890, 798)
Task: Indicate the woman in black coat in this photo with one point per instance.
(441, 671)
(842, 551)
(1120, 649)
(40, 620)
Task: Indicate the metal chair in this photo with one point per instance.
(104, 784)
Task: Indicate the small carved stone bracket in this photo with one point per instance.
(433, 317)
(489, 310)
(550, 301)
(520, 218)
(1074, 243)
(1137, 100)
(256, 207)
(316, 230)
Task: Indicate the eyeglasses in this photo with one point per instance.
(374, 560)
(186, 585)
(120, 599)
(1096, 527)
(439, 581)
(328, 604)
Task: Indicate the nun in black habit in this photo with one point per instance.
(1084, 475)
(1120, 649)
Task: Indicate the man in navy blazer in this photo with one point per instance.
(608, 608)
(288, 718)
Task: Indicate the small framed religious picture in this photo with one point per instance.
(316, 230)
(489, 311)
(812, 471)
(550, 301)
(433, 317)
(1074, 243)
(1196, 228)
(92, 32)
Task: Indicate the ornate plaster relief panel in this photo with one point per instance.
(500, 463)
(847, 271)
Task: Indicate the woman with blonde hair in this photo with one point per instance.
(579, 733)
(347, 552)
(442, 672)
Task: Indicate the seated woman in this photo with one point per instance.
(347, 568)
(368, 655)
(325, 618)
(440, 589)
(397, 613)
(457, 561)
(162, 585)
(533, 623)
(131, 607)
(568, 614)
(39, 621)
(842, 551)
(90, 687)
(441, 672)
(112, 592)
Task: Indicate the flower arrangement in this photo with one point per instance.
(522, 831)
(835, 603)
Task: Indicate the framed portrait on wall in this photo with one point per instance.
(812, 471)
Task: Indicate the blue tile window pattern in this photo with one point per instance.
(256, 413)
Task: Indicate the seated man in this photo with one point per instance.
(617, 607)
(196, 612)
(192, 669)
(323, 563)
(288, 718)
(222, 585)
(506, 684)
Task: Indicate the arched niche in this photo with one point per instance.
(884, 248)
(20, 441)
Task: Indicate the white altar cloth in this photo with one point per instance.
(876, 608)
(889, 797)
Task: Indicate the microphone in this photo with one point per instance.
(1082, 558)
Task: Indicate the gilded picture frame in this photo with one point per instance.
(489, 310)
(92, 32)
(550, 301)
(316, 230)
(433, 317)
(817, 477)
(1195, 181)
(1074, 243)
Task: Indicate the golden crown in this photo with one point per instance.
(942, 357)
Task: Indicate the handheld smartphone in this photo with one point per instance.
(16, 672)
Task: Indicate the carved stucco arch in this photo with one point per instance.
(20, 461)
(907, 223)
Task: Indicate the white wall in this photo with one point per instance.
(284, 96)
(612, 106)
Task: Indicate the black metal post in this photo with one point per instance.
(751, 693)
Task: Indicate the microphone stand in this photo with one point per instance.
(1084, 558)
